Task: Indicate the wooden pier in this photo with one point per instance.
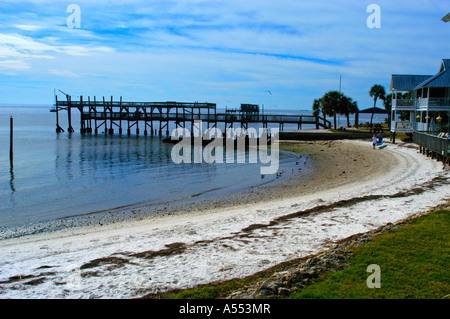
(155, 117)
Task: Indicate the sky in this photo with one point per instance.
(282, 53)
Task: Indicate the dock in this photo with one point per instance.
(155, 117)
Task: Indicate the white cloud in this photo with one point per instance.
(22, 50)
(84, 50)
(6, 66)
(21, 43)
(27, 27)
(64, 73)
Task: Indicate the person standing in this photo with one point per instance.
(374, 141)
(380, 138)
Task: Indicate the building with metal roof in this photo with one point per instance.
(442, 79)
(425, 105)
(406, 82)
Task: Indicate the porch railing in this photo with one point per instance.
(403, 102)
(433, 142)
(437, 101)
(433, 102)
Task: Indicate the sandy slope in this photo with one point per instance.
(232, 238)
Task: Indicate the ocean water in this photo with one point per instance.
(61, 175)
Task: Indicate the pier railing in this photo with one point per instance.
(100, 103)
(219, 117)
(434, 144)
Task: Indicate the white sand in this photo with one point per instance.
(217, 246)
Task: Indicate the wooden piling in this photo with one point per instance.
(111, 130)
(69, 113)
(120, 115)
(11, 141)
(58, 128)
(82, 126)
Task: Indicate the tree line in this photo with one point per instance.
(333, 103)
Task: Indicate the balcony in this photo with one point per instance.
(402, 126)
(438, 101)
(433, 103)
(404, 104)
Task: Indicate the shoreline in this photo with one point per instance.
(146, 210)
(223, 242)
(323, 169)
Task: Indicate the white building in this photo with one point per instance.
(427, 103)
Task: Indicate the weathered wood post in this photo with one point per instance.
(90, 115)
(58, 128)
(105, 123)
(69, 113)
(11, 141)
(120, 121)
(95, 116)
(82, 124)
(111, 130)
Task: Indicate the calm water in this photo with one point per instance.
(61, 175)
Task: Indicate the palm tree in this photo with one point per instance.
(317, 108)
(331, 104)
(377, 92)
(349, 107)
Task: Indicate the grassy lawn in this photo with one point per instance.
(414, 263)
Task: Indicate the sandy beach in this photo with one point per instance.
(348, 189)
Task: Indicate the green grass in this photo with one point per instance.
(413, 260)
(413, 263)
(211, 291)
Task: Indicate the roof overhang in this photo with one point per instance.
(406, 82)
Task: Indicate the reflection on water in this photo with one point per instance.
(61, 175)
(11, 179)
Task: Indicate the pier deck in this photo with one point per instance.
(111, 114)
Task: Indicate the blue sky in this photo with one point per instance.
(225, 52)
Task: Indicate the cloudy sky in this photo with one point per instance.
(225, 52)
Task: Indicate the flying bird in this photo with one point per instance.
(269, 92)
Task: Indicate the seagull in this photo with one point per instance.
(446, 18)
(269, 92)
